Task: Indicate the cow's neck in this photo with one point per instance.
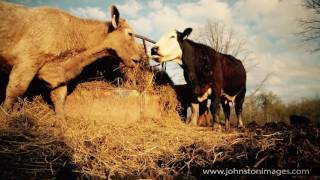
(178, 60)
(89, 39)
(198, 62)
(76, 65)
(70, 68)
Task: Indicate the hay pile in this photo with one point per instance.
(34, 144)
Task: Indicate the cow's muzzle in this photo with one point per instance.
(154, 50)
(155, 53)
(134, 61)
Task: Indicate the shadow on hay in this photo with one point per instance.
(104, 69)
(26, 152)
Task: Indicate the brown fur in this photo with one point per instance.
(55, 46)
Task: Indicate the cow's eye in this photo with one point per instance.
(130, 34)
(172, 37)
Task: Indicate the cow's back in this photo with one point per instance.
(43, 32)
(12, 18)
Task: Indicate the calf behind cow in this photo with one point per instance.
(211, 74)
(55, 46)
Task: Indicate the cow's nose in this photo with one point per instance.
(154, 50)
(135, 61)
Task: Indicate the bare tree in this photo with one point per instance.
(221, 38)
(224, 40)
(311, 24)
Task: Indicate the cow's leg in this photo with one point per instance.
(58, 97)
(183, 95)
(19, 79)
(214, 108)
(226, 111)
(194, 113)
(238, 107)
(204, 114)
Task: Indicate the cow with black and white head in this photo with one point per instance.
(210, 74)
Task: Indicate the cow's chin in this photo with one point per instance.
(163, 59)
(179, 61)
(157, 58)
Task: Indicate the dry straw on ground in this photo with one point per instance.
(95, 142)
(101, 140)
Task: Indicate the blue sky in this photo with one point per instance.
(269, 27)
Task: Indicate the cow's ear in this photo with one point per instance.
(186, 33)
(115, 15)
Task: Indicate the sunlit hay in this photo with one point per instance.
(146, 148)
(116, 150)
(132, 130)
(132, 146)
(139, 78)
(103, 142)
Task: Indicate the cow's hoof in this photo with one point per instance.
(187, 120)
(227, 126)
(217, 127)
(240, 124)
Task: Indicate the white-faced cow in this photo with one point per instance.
(211, 74)
(55, 46)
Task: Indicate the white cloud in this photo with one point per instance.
(89, 12)
(155, 4)
(253, 9)
(164, 16)
(206, 9)
(130, 8)
(271, 17)
(168, 18)
(290, 79)
(142, 25)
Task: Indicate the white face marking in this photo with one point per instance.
(169, 48)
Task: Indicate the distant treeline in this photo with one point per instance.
(268, 107)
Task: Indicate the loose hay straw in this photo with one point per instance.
(116, 149)
(33, 143)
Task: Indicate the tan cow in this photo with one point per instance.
(55, 46)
